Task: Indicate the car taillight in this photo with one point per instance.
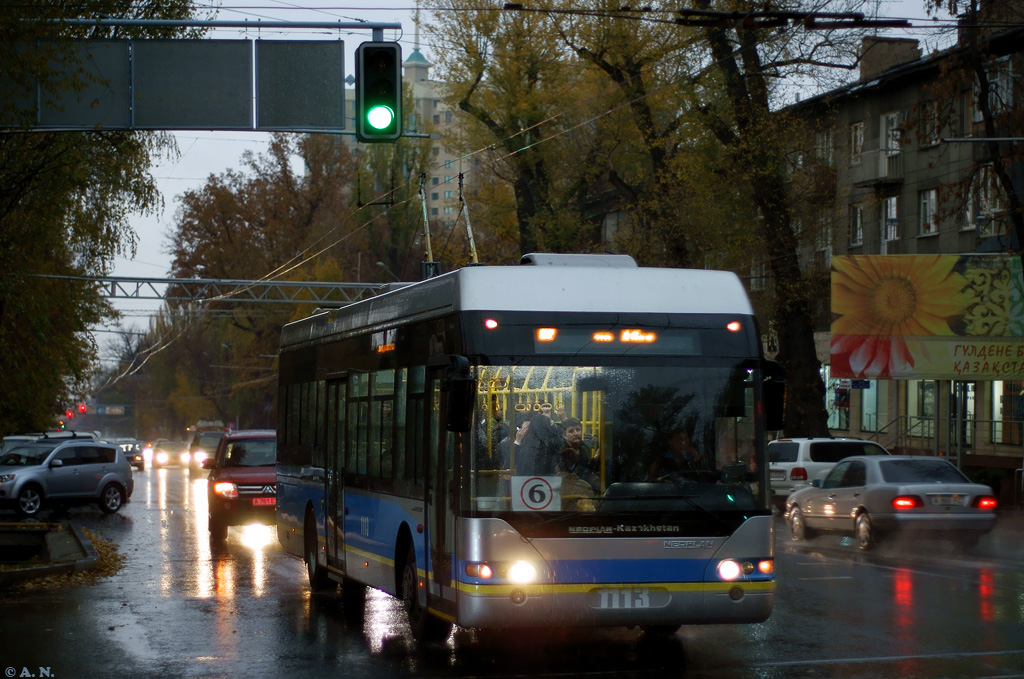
(798, 474)
(985, 502)
(906, 502)
(225, 489)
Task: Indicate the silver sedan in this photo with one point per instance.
(873, 496)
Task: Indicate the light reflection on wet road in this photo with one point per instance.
(181, 608)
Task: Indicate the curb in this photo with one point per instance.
(70, 551)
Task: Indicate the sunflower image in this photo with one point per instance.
(878, 301)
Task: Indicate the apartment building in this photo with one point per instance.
(891, 165)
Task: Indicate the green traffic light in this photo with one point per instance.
(380, 117)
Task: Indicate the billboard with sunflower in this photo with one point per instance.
(928, 317)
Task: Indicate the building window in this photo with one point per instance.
(856, 224)
(824, 244)
(837, 401)
(435, 152)
(874, 405)
(437, 102)
(449, 194)
(856, 142)
(447, 179)
(985, 202)
(434, 181)
(447, 209)
(448, 164)
(448, 116)
(437, 119)
(433, 211)
(890, 224)
(1008, 412)
(929, 129)
(1000, 88)
(890, 133)
(927, 212)
(824, 146)
(921, 408)
(433, 195)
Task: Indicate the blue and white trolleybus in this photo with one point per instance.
(577, 442)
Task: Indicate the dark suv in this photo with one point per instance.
(242, 487)
(64, 472)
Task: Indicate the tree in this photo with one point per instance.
(510, 76)
(65, 200)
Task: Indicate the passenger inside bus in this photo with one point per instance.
(681, 458)
(576, 458)
(538, 444)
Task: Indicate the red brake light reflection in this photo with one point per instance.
(490, 324)
(733, 326)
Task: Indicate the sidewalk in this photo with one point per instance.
(65, 550)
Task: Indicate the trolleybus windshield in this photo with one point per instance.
(656, 437)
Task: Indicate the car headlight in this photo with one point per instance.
(199, 456)
(4, 478)
(225, 489)
(185, 457)
(162, 457)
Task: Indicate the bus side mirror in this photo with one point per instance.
(774, 391)
(461, 389)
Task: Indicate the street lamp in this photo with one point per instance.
(385, 267)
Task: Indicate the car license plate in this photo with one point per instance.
(264, 500)
(779, 475)
(955, 500)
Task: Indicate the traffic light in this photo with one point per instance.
(82, 408)
(378, 91)
(69, 413)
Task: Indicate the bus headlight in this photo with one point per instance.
(522, 572)
(729, 570)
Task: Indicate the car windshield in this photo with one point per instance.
(24, 456)
(833, 451)
(208, 440)
(923, 470)
(617, 439)
(250, 453)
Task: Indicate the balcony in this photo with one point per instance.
(877, 168)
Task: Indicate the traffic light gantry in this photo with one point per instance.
(378, 92)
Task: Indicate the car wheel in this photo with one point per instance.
(798, 529)
(112, 498)
(218, 530)
(30, 500)
(424, 626)
(867, 536)
(318, 581)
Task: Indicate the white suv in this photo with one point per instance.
(794, 463)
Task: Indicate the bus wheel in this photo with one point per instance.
(425, 627)
(317, 575)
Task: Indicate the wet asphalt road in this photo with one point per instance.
(180, 608)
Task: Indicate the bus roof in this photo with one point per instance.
(535, 288)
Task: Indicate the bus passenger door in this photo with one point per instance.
(441, 498)
(335, 463)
